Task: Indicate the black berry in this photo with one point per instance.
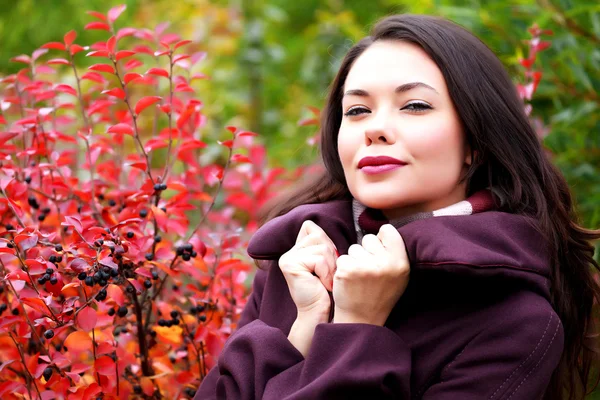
(47, 373)
(188, 247)
(186, 257)
(89, 281)
(174, 314)
(9, 227)
(10, 245)
(149, 256)
(143, 213)
(122, 311)
(112, 203)
(157, 239)
(41, 217)
(58, 247)
(154, 275)
(111, 312)
(147, 284)
(49, 271)
(129, 235)
(28, 179)
(81, 276)
(53, 280)
(49, 334)
(203, 318)
(137, 389)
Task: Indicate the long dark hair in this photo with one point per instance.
(508, 156)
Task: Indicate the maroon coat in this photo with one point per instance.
(475, 321)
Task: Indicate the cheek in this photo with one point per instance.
(437, 144)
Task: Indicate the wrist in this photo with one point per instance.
(340, 317)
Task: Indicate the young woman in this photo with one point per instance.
(437, 257)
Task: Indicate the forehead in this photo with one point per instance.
(392, 63)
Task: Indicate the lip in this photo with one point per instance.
(380, 161)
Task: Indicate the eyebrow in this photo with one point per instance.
(400, 89)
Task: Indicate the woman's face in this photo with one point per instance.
(396, 104)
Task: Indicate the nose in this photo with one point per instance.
(379, 129)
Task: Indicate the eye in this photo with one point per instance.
(355, 111)
(417, 107)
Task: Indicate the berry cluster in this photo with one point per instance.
(186, 251)
(170, 322)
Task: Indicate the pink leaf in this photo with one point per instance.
(114, 12)
(87, 318)
(158, 71)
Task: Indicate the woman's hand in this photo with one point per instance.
(313, 254)
(371, 278)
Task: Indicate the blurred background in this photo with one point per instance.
(270, 62)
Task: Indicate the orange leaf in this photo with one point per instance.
(87, 318)
(116, 293)
(170, 335)
(78, 341)
(35, 303)
(122, 128)
(146, 102)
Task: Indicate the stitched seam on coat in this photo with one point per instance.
(538, 363)
(524, 361)
(480, 266)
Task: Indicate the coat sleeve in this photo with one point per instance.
(513, 359)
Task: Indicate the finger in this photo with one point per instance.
(392, 241)
(320, 261)
(305, 230)
(358, 252)
(311, 234)
(373, 245)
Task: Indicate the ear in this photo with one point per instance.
(468, 154)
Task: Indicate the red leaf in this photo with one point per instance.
(155, 143)
(115, 92)
(110, 44)
(74, 222)
(70, 37)
(102, 68)
(105, 366)
(64, 88)
(122, 128)
(140, 165)
(123, 53)
(181, 43)
(93, 76)
(6, 136)
(114, 12)
(181, 57)
(246, 133)
(97, 25)
(75, 48)
(158, 71)
(98, 53)
(98, 15)
(87, 318)
(79, 265)
(131, 76)
(58, 61)
(146, 102)
(227, 143)
(54, 45)
(240, 158)
(25, 241)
